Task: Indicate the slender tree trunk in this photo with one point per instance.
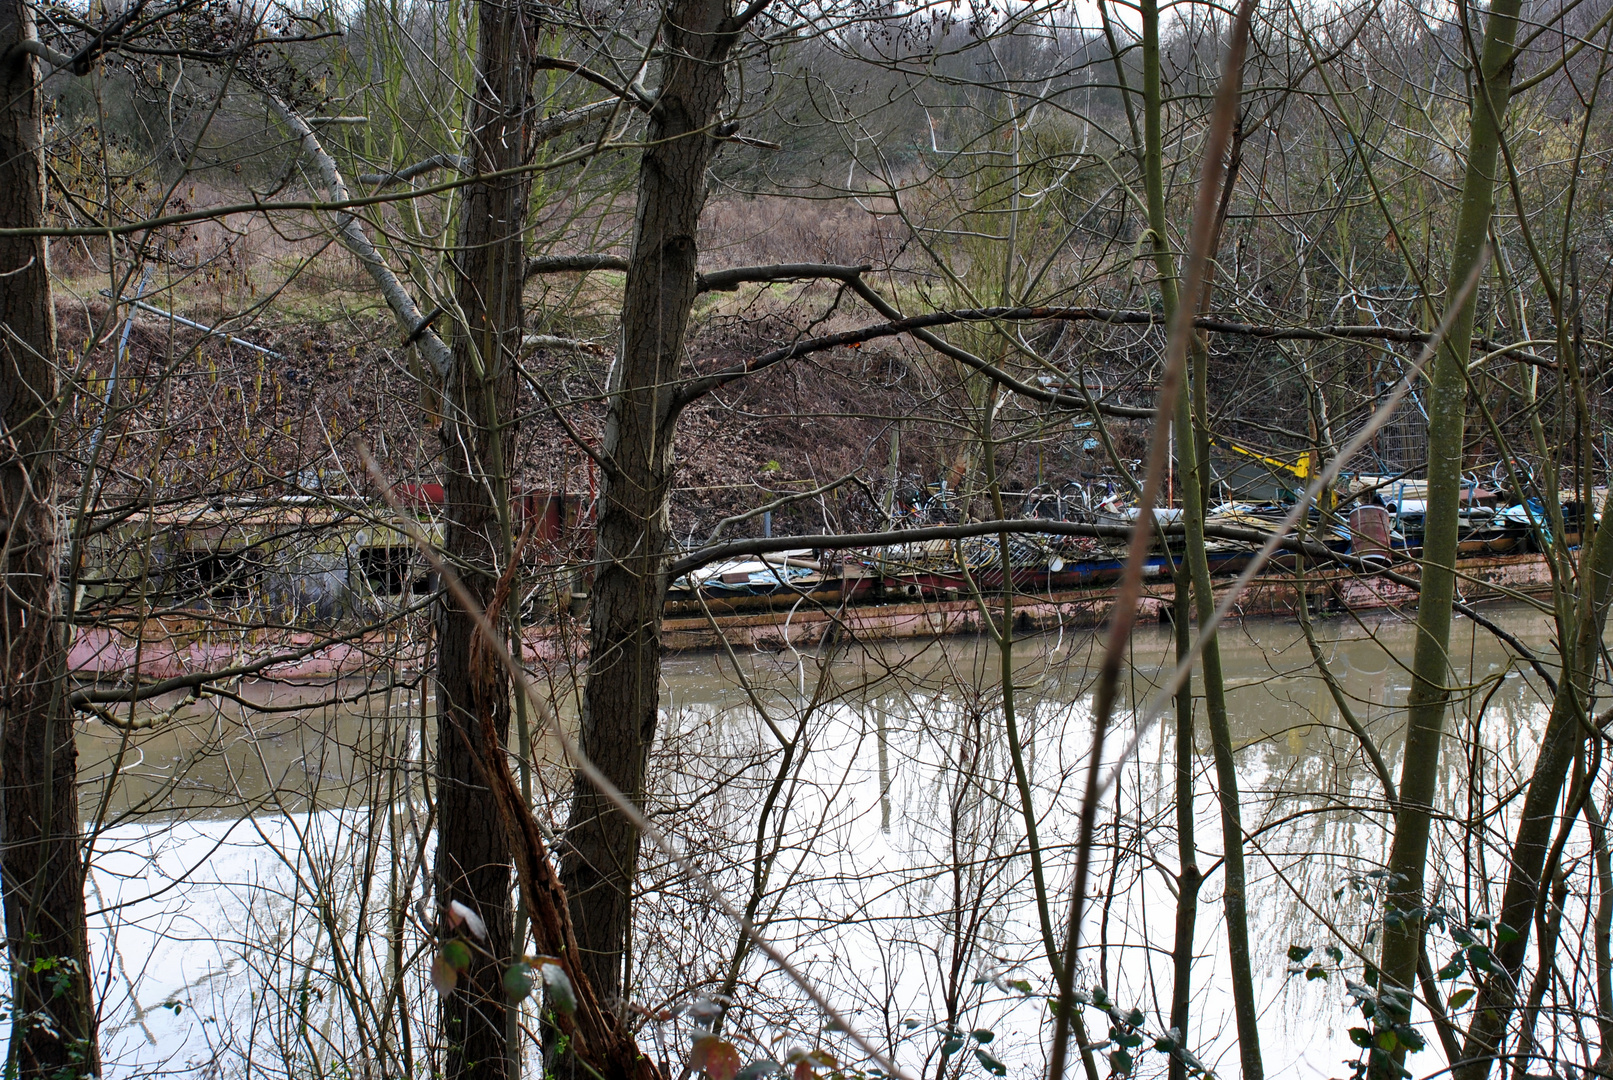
(1447, 407)
(633, 539)
(473, 855)
(1188, 876)
(1601, 934)
(1004, 640)
(1234, 899)
(1565, 735)
(42, 869)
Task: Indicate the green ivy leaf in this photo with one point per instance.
(1135, 1018)
(1336, 953)
(1455, 968)
(1361, 1037)
(910, 1024)
(1121, 1062)
(1297, 953)
(1410, 1037)
(1021, 985)
(518, 980)
(1314, 972)
(558, 984)
(991, 1064)
(456, 954)
(1461, 997)
(983, 1035)
(951, 1046)
(1479, 957)
(1505, 933)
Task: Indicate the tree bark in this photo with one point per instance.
(632, 542)
(42, 868)
(473, 855)
(1447, 410)
(1188, 875)
(1189, 437)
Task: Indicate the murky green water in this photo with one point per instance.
(891, 832)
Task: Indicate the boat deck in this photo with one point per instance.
(869, 610)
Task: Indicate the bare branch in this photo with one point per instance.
(633, 93)
(430, 164)
(353, 237)
(848, 541)
(557, 125)
(996, 374)
(784, 500)
(574, 264)
(91, 696)
(59, 60)
(701, 385)
(716, 281)
(729, 280)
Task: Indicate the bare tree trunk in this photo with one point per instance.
(42, 869)
(1193, 487)
(1188, 875)
(630, 582)
(1447, 408)
(473, 855)
(1601, 933)
(1562, 741)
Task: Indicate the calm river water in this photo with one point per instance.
(250, 863)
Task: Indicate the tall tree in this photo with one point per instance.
(473, 855)
(1192, 465)
(41, 863)
(1447, 411)
(634, 534)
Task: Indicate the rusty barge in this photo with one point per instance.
(861, 608)
(305, 587)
